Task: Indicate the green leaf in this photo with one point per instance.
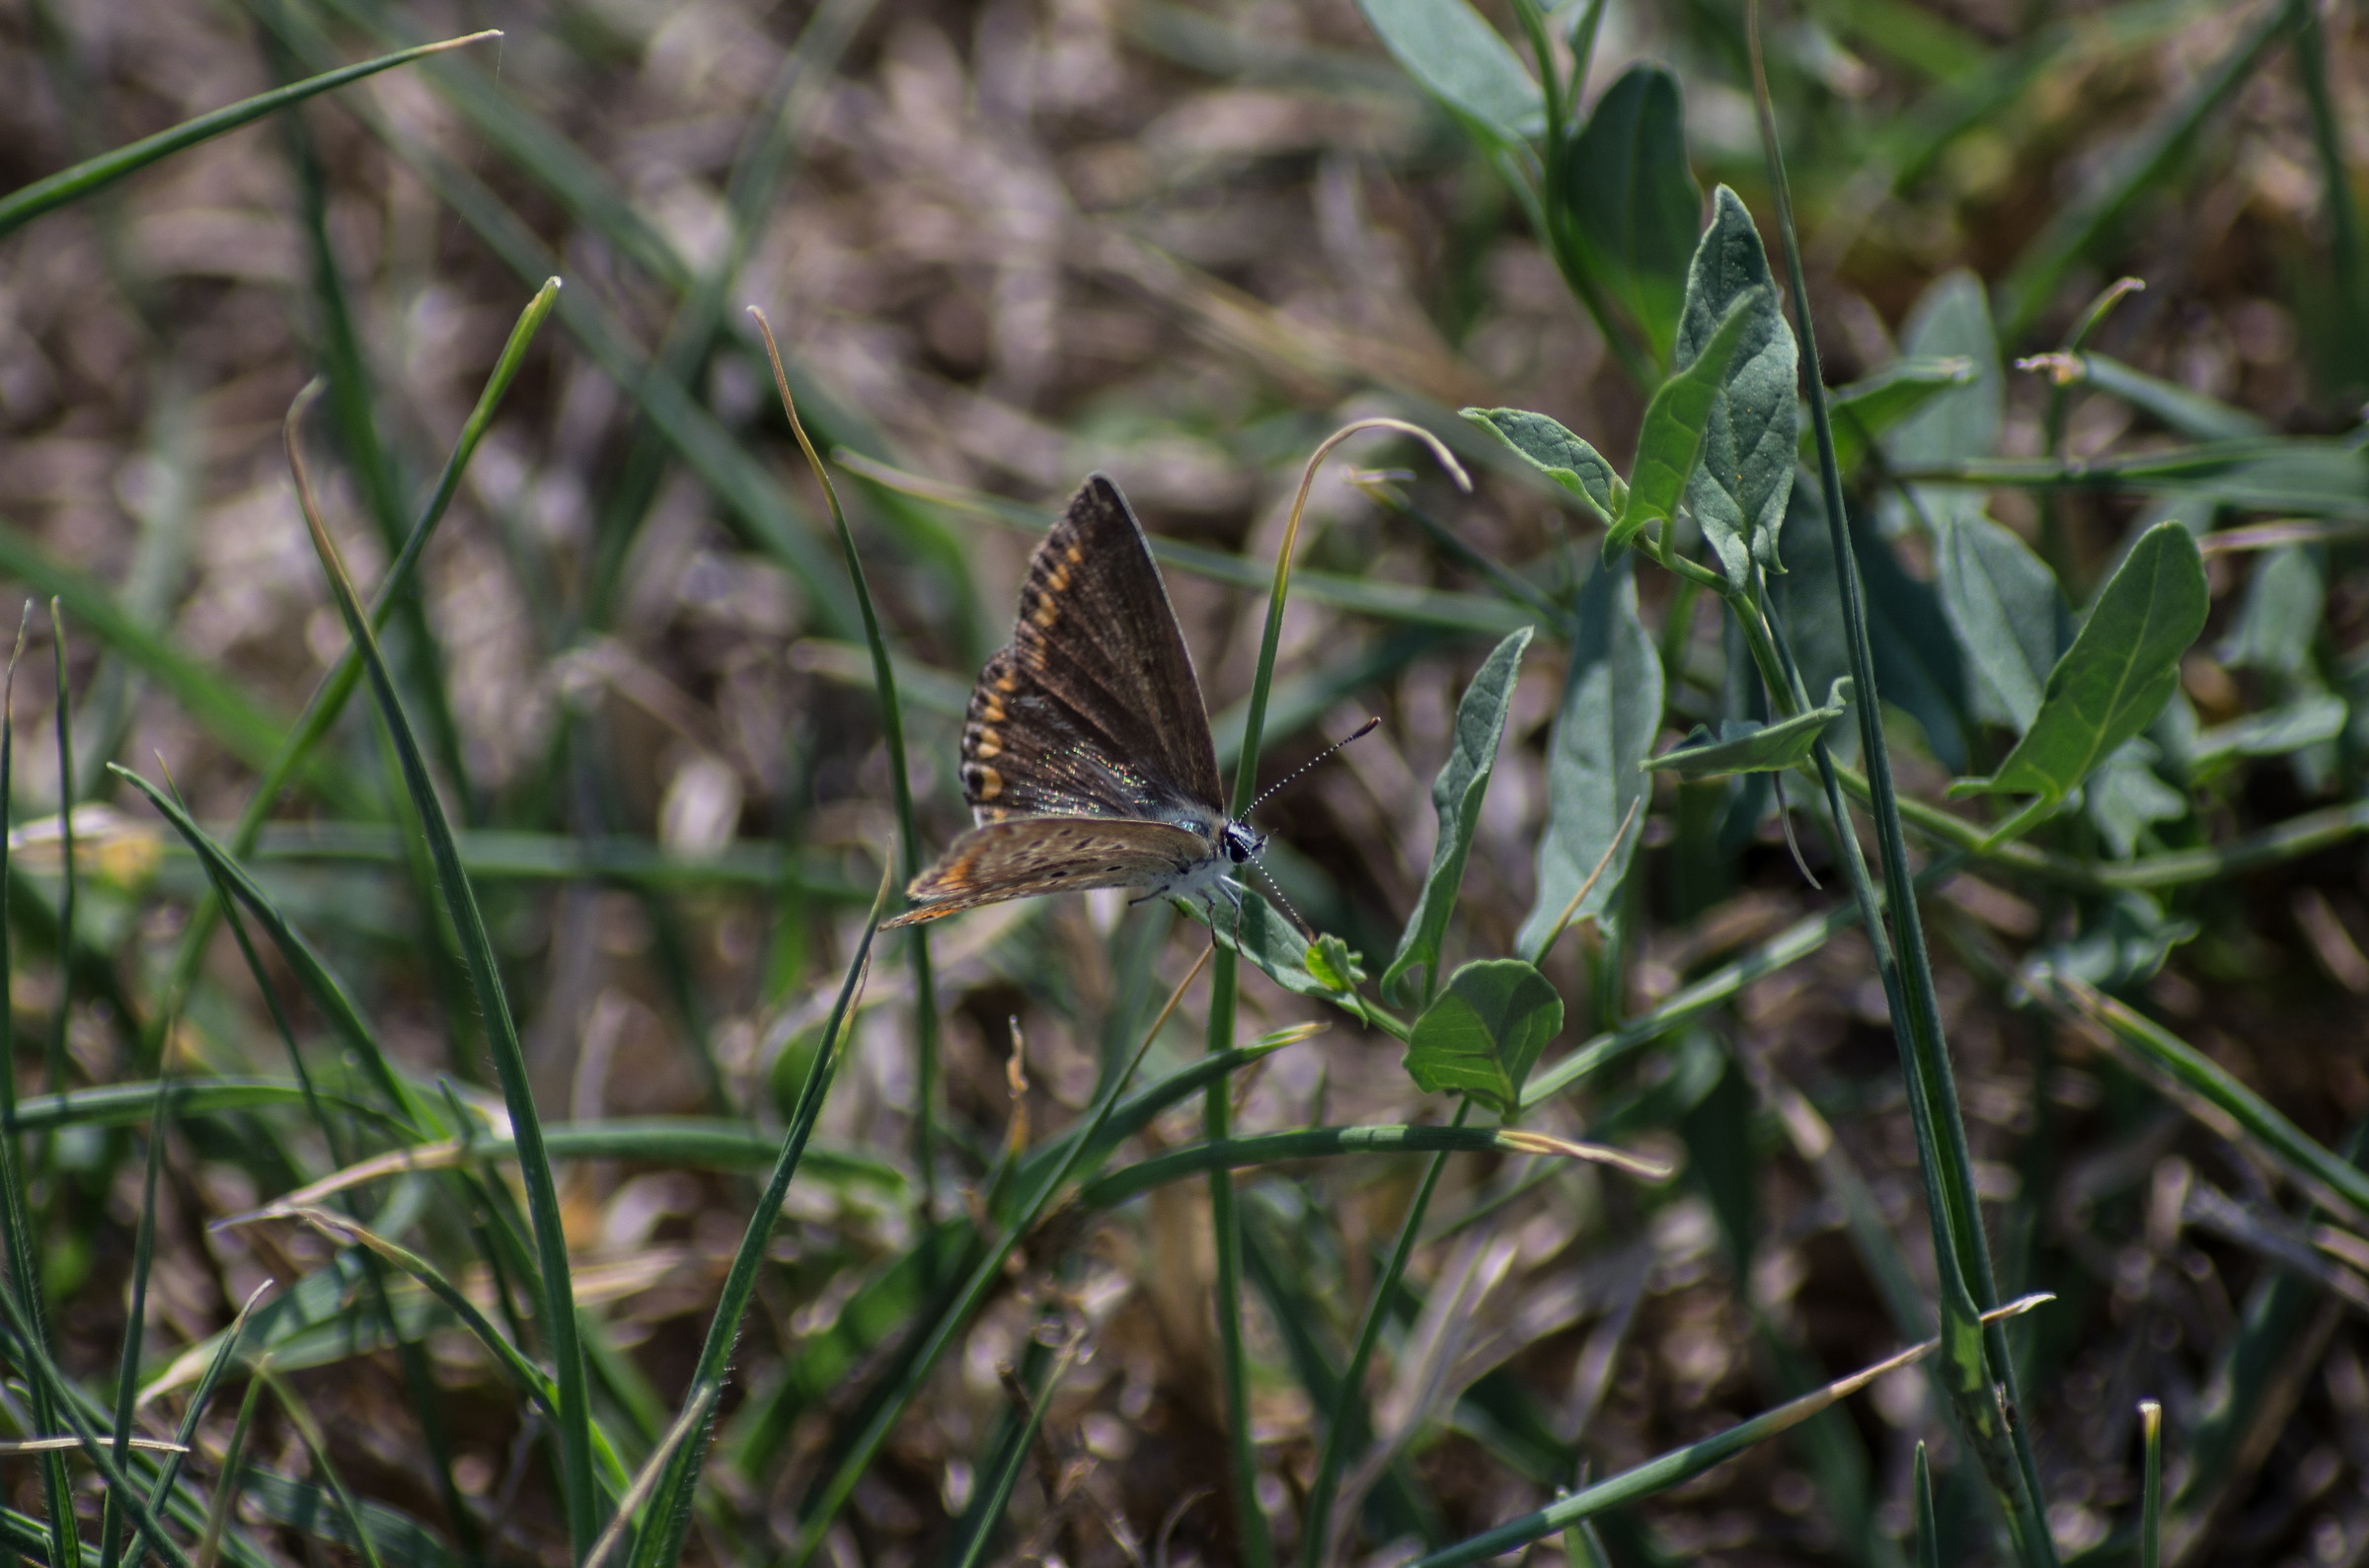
(2124, 798)
(2119, 671)
(2280, 614)
(1267, 940)
(2308, 476)
(1463, 61)
(1484, 1034)
(1611, 709)
(2309, 720)
(1330, 961)
(1456, 795)
(1632, 202)
(2192, 414)
(2003, 602)
(1739, 496)
(1916, 665)
(1875, 403)
(1672, 443)
(1560, 455)
(1746, 746)
(2121, 944)
(1952, 317)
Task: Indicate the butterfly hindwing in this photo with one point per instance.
(1025, 856)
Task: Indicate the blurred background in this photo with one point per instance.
(1176, 241)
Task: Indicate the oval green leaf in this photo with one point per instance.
(1485, 1033)
(2119, 671)
(1456, 795)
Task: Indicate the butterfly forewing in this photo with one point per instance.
(1093, 708)
(1050, 855)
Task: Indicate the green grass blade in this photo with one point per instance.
(226, 1486)
(2196, 1080)
(1929, 1543)
(661, 1541)
(319, 983)
(300, 1416)
(1661, 1474)
(555, 1292)
(988, 1508)
(352, 402)
(1341, 1422)
(65, 715)
(961, 1305)
(343, 1232)
(2151, 1496)
(68, 185)
(900, 790)
(136, 1319)
(1976, 1369)
(202, 1397)
(26, 1309)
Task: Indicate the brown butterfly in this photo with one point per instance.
(1086, 755)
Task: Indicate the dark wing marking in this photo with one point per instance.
(1098, 643)
(1028, 856)
(1028, 753)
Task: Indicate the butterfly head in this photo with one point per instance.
(1241, 842)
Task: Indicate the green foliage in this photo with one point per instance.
(1738, 494)
(1484, 1032)
(1903, 596)
(2119, 671)
(1463, 62)
(1675, 440)
(1748, 746)
(1872, 406)
(1560, 455)
(1604, 726)
(1632, 204)
(1456, 795)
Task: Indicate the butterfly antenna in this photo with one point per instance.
(1363, 730)
(1306, 930)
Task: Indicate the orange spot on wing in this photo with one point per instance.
(989, 744)
(991, 785)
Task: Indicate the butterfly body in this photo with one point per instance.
(1087, 757)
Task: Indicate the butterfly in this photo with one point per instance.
(1086, 753)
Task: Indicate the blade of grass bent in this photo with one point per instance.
(966, 1303)
(1218, 1108)
(319, 983)
(1661, 1474)
(661, 1541)
(900, 788)
(329, 697)
(352, 404)
(753, 502)
(45, 196)
(556, 1295)
(1977, 1357)
(2201, 1082)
